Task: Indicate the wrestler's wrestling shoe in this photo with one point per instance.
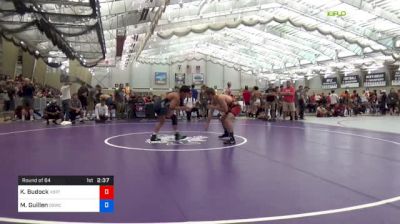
(154, 138)
(179, 137)
(225, 135)
(230, 141)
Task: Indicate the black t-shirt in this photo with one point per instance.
(269, 97)
(28, 90)
(83, 91)
(52, 108)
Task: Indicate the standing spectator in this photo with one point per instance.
(334, 98)
(288, 94)
(119, 100)
(301, 102)
(75, 109)
(127, 91)
(195, 93)
(83, 94)
(255, 101)
(398, 102)
(312, 105)
(52, 112)
(65, 99)
(228, 90)
(101, 111)
(383, 102)
(91, 102)
(27, 93)
(10, 89)
(392, 100)
(98, 94)
(246, 99)
(270, 97)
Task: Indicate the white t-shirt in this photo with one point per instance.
(65, 92)
(334, 98)
(189, 102)
(101, 110)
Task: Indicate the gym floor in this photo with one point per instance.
(295, 172)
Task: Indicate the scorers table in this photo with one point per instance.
(66, 194)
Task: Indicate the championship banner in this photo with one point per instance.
(329, 83)
(396, 79)
(350, 81)
(375, 79)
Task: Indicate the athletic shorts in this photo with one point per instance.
(161, 107)
(235, 110)
(288, 107)
(84, 101)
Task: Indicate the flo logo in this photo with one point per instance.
(170, 140)
(337, 13)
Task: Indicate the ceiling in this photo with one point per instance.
(261, 37)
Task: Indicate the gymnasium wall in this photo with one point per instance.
(142, 76)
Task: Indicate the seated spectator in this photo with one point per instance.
(322, 111)
(112, 107)
(338, 110)
(101, 111)
(53, 112)
(190, 104)
(75, 109)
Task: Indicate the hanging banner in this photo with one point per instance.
(329, 83)
(375, 79)
(160, 78)
(396, 79)
(180, 79)
(198, 79)
(350, 81)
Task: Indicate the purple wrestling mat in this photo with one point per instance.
(292, 172)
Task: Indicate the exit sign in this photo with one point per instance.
(336, 13)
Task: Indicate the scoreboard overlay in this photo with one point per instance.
(66, 194)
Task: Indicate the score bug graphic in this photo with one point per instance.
(106, 199)
(66, 194)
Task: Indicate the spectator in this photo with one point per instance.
(392, 100)
(83, 94)
(288, 94)
(271, 98)
(97, 94)
(75, 109)
(101, 111)
(91, 101)
(22, 113)
(255, 101)
(322, 111)
(300, 102)
(195, 93)
(127, 91)
(228, 90)
(246, 99)
(52, 112)
(312, 108)
(27, 93)
(119, 100)
(190, 104)
(383, 102)
(334, 98)
(11, 95)
(65, 99)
